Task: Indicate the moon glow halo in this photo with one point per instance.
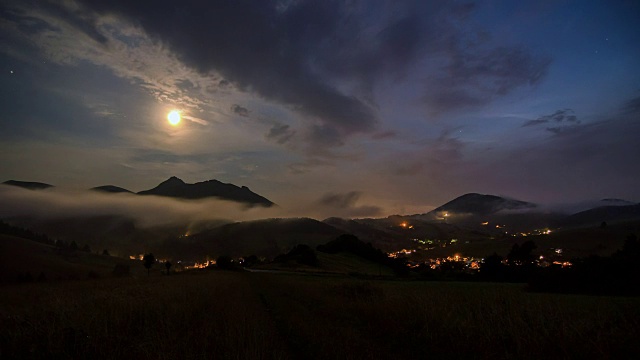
(174, 117)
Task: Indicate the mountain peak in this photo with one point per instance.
(110, 189)
(173, 180)
(176, 188)
(481, 204)
(28, 184)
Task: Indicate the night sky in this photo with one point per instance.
(359, 108)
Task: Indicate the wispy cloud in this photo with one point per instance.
(559, 122)
(344, 204)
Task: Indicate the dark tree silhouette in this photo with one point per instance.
(86, 248)
(492, 267)
(301, 253)
(148, 261)
(631, 246)
(106, 252)
(522, 254)
(168, 265)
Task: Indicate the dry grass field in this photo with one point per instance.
(238, 315)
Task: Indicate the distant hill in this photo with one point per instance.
(603, 213)
(111, 189)
(269, 237)
(26, 260)
(397, 232)
(176, 188)
(28, 184)
(615, 202)
(480, 204)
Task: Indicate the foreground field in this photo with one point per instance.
(234, 315)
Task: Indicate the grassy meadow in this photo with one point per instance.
(238, 315)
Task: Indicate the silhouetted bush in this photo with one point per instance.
(351, 244)
(148, 260)
(224, 262)
(251, 261)
(25, 234)
(522, 254)
(302, 254)
(492, 268)
(617, 274)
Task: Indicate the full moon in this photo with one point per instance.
(174, 117)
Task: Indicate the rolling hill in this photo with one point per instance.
(603, 214)
(267, 238)
(26, 260)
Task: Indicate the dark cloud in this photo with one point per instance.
(596, 160)
(323, 136)
(261, 47)
(170, 158)
(562, 121)
(410, 168)
(26, 23)
(340, 201)
(297, 53)
(384, 135)
(535, 122)
(76, 17)
(345, 203)
(474, 75)
(280, 133)
(239, 110)
(185, 85)
(632, 106)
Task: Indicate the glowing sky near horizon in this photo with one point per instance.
(360, 108)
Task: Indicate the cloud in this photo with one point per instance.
(340, 201)
(145, 210)
(562, 121)
(195, 120)
(632, 106)
(258, 47)
(280, 133)
(344, 204)
(320, 59)
(384, 135)
(239, 110)
(475, 74)
(66, 33)
(300, 55)
(590, 160)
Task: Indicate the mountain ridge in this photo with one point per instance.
(31, 185)
(176, 188)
